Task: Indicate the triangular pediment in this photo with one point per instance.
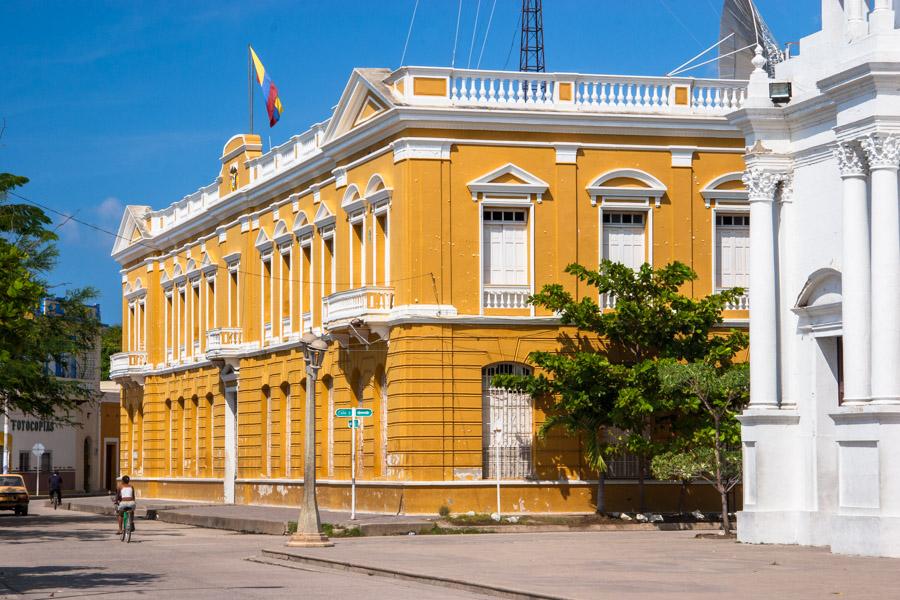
(323, 214)
(364, 98)
(509, 179)
(370, 108)
(263, 242)
(132, 228)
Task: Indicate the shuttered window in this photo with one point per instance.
(623, 238)
(732, 251)
(505, 247)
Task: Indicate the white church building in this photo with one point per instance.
(821, 437)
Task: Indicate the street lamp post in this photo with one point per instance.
(309, 532)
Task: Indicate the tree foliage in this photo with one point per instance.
(608, 378)
(110, 343)
(28, 338)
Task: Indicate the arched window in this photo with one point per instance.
(507, 433)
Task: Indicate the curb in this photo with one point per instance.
(230, 523)
(586, 528)
(280, 556)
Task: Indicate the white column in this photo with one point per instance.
(230, 384)
(855, 11)
(855, 274)
(883, 153)
(761, 186)
(882, 17)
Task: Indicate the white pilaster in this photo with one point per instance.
(761, 185)
(855, 274)
(883, 153)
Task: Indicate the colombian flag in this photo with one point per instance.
(270, 92)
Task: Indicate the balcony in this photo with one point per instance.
(741, 303)
(306, 322)
(224, 342)
(369, 304)
(568, 91)
(506, 296)
(126, 364)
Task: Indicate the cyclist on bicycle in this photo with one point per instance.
(55, 482)
(125, 500)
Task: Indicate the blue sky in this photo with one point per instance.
(108, 104)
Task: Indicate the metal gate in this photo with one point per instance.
(507, 432)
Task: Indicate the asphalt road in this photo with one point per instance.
(65, 554)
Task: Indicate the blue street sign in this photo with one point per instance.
(343, 412)
(353, 423)
(363, 412)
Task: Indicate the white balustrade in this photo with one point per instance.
(267, 331)
(742, 302)
(125, 363)
(506, 296)
(607, 301)
(306, 322)
(358, 303)
(285, 325)
(224, 338)
(575, 92)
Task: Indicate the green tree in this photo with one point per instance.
(30, 339)
(652, 321)
(110, 343)
(713, 397)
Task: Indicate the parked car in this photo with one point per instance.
(13, 495)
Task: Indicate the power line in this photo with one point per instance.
(512, 42)
(409, 33)
(474, 32)
(487, 32)
(456, 36)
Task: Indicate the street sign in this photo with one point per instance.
(353, 412)
(353, 423)
(38, 450)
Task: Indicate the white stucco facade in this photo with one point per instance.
(821, 437)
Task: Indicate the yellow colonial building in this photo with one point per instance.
(412, 226)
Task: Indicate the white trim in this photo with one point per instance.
(682, 156)
(532, 184)
(654, 187)
(566, 153)
(421, 149)
(710, 191)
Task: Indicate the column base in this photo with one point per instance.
(309, 540)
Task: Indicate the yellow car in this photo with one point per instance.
(13, 495)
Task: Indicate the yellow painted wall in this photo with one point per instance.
(434, 370)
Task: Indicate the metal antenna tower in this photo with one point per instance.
(531, 45)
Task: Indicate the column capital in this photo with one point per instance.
(850, 159)
(761, 184)
(883, 151)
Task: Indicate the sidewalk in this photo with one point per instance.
(272, 520)
(640, 565)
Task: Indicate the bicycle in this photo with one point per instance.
(127, 524)
(54, 499)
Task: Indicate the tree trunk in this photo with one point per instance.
(726, 522)
(601, 493)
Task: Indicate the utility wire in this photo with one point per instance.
(512, 42)
(409, 33)
(456, 36)
(474, 32)
(680, 22)
(487, 32)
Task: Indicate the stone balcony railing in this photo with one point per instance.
(224, 341)
(367, 303)
(436, 86)
(125, 364)
(506, 296)
(741, 303)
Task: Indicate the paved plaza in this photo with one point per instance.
(71, 554)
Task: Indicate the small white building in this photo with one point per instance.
(821, 437)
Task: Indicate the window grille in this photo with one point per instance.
(623, 466)
(512, 445)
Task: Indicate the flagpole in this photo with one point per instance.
(250, 85)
